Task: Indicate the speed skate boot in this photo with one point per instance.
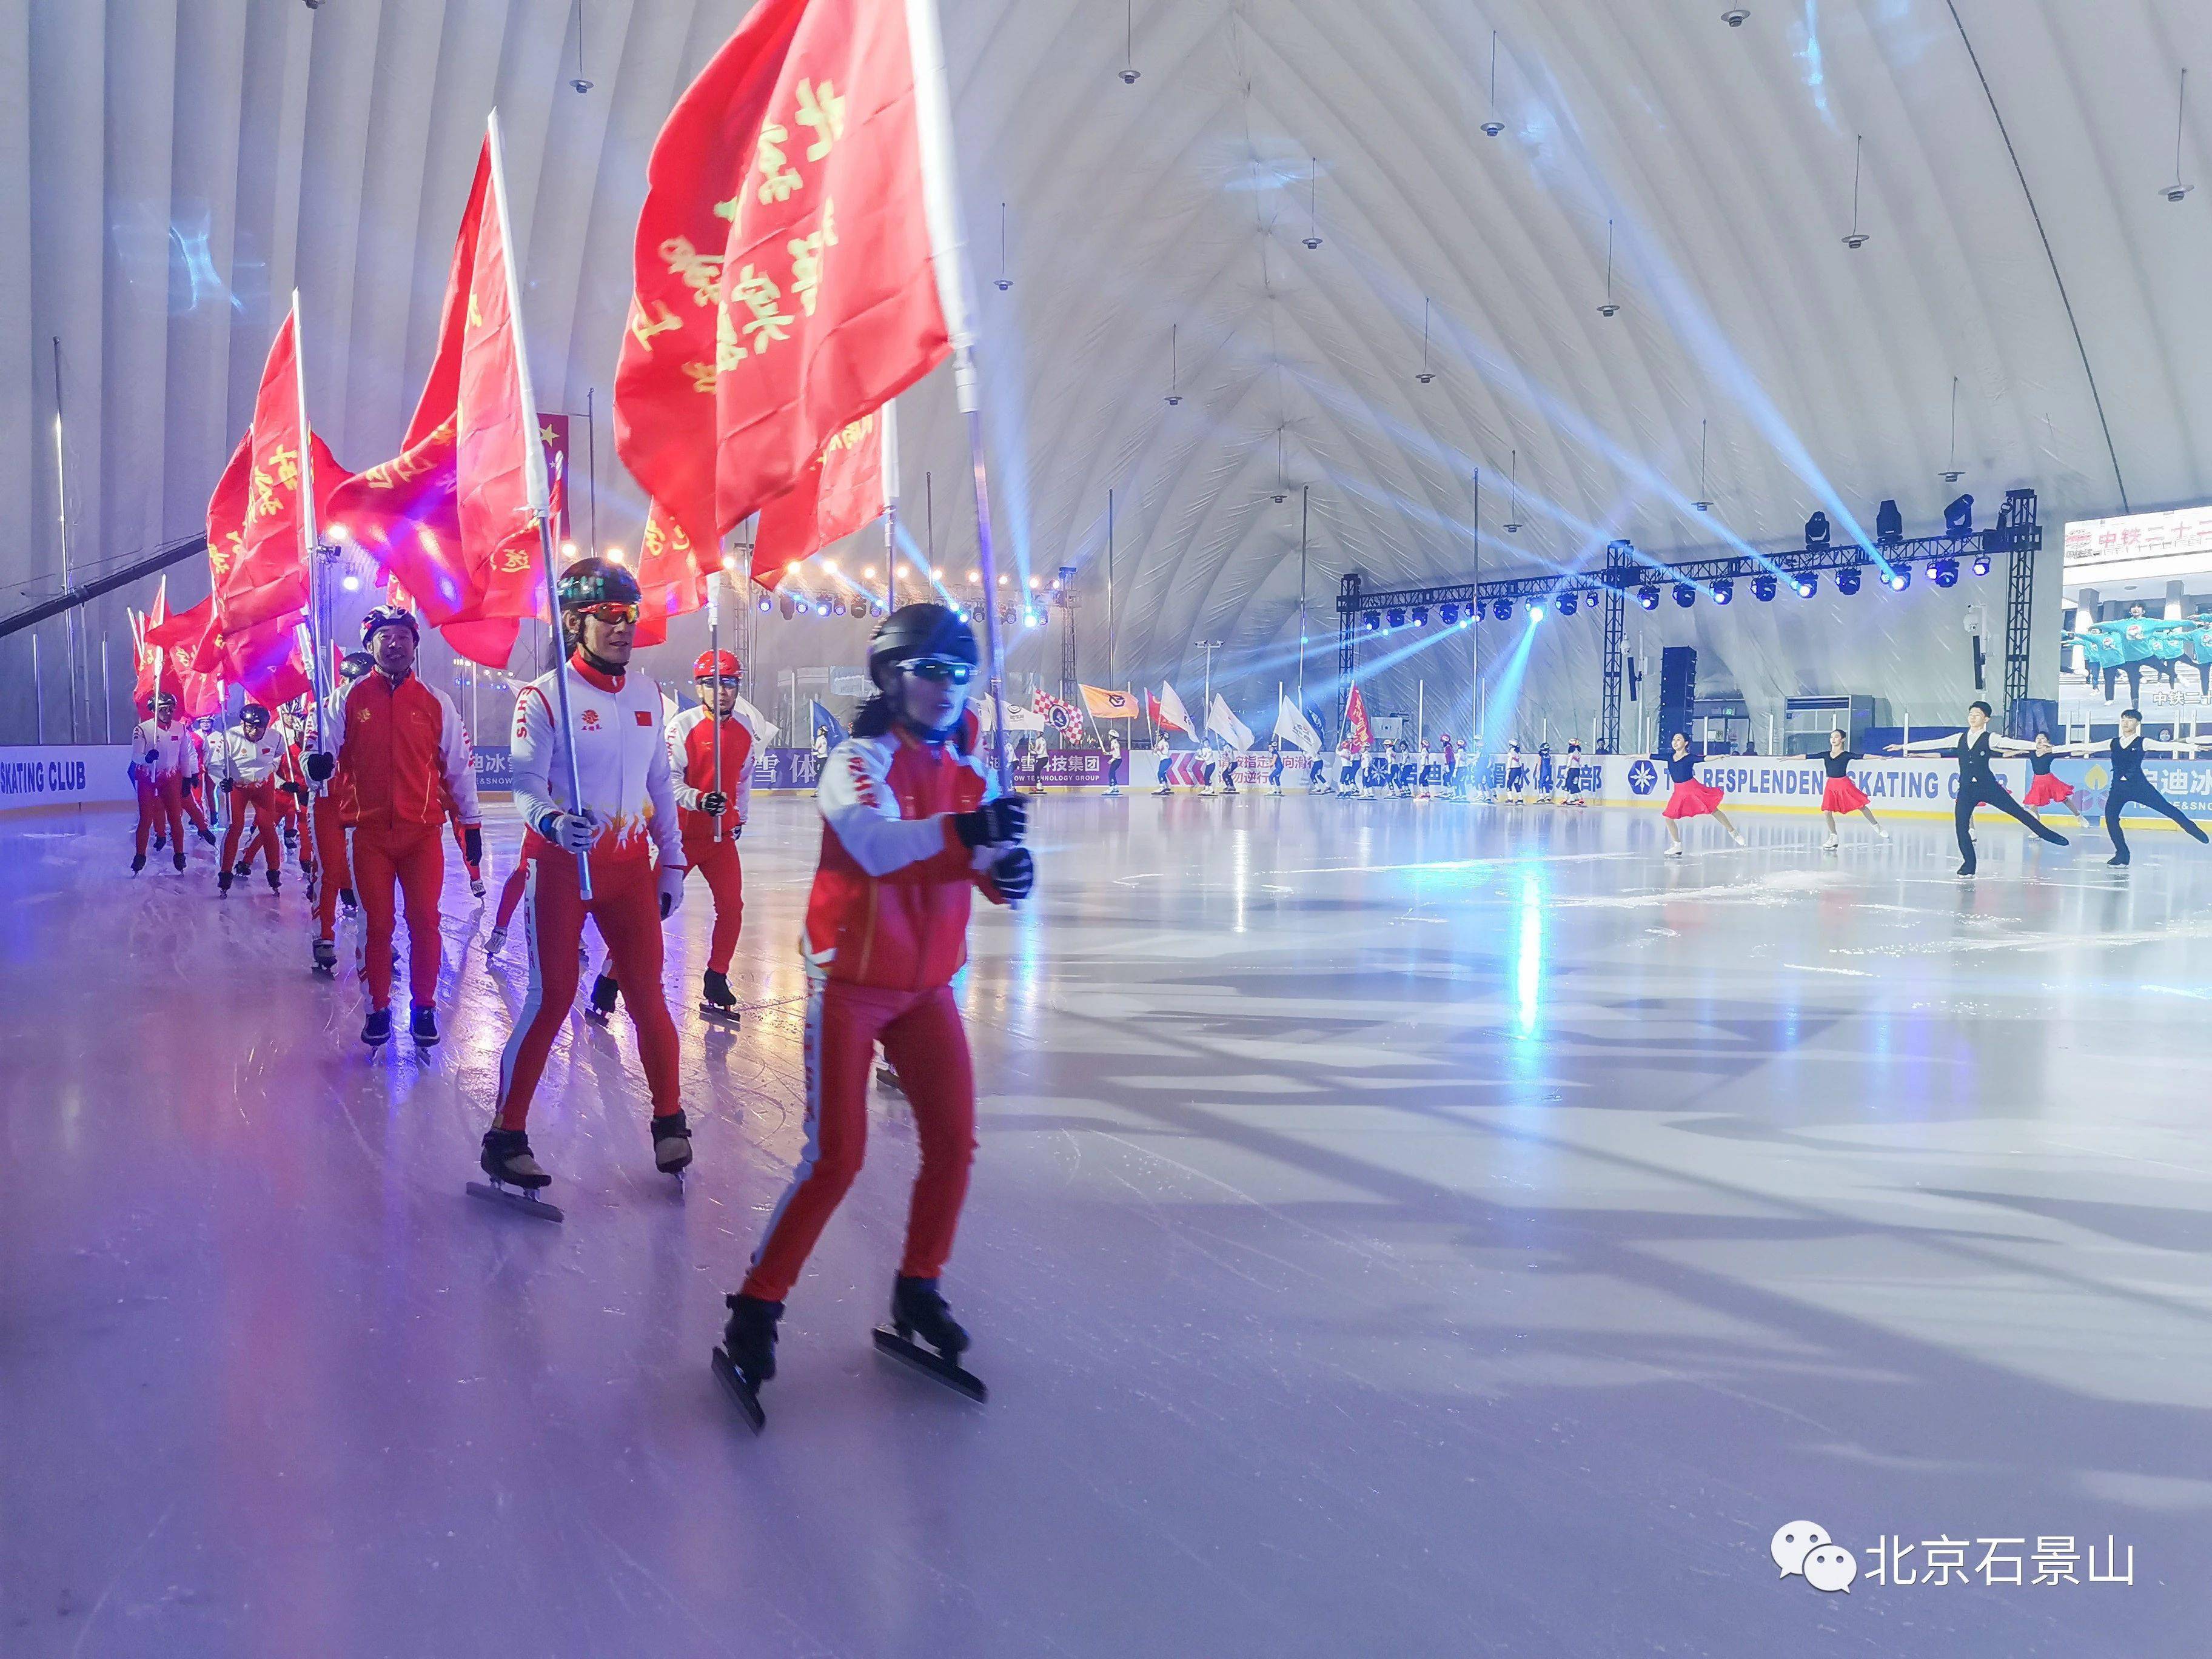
(601, 1008)
(671, 1143)
(223, 881)
(276, 880)
(515, 1174)
(376, 1030)
(924, 1335)
(746, 1358)
(422, 1026)
(326, 957)
(716, 1000)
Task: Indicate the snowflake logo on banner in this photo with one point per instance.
(1063, 716)
(1643, 777)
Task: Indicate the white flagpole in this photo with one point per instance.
(533, 462)
(714, 709)
(311, 534)
(941, 204)
(890, 503)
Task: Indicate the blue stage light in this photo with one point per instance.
(1807, 586)
(1762, 589)
(1684, 595)
(1847, 582)
(1724, 591)
(1648, 598)
(1502, 609)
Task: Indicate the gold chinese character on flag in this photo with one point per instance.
(778, 181)
(822, 108)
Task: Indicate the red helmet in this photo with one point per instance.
(724, 664)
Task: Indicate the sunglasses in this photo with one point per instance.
(954, 673)
(610, 611)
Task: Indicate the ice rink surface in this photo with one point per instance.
(1399, 1230)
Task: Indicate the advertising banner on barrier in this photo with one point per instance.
(2187, 784)
(65, 774)
(1892, 782)
(495, 769)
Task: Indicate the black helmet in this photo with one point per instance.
(355, 664)
(913, 631)
(389, 616)
(252, 711)
(597, 581)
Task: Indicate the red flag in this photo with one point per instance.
(1153, 711)
(192, 651)
(143, 650)
(669, 577)
(784, 280)
(257, 541)
(264, 661)
(840, 491)
(412, 513)
(1358, 735)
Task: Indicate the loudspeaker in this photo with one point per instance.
(1678, 689)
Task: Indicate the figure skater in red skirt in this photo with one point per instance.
(1691, 798)
(2044, 790)
(1842, 797)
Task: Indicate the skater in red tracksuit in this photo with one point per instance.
(626, 815)
(912, 827)
(160, 749)
(251, 766)
(704, 799)
(399, 753)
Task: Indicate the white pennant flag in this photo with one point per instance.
(1294, 728)
(1224, 724)
(1172, 713)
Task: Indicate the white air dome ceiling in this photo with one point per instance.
(176, 170)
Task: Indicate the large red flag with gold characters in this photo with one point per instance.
(1358, 735)
(840, 491)
(448, 517)
(257, 537)
(785, 281)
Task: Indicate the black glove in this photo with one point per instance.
(296, 790)
(472, 844)
(1015, 873)
(320, 765)
(994, 823)
(346, 896)
(226, 786)
(713, 802)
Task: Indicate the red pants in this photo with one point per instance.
(725, 880)
(511, 894)
(263, 797)
(927, 1046)
(332, 869)
(412, 856)
(626, 905)
(190, 801)
(161, 807)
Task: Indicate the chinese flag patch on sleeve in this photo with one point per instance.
(645, 717)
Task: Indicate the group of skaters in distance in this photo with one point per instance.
(1445, 771)
(913, 826)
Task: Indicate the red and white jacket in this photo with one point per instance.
(621, 761)
(691, 759)
(170, 745)
(890, 901)
(239, 758)
(401, 751)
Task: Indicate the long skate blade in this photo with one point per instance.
(724, 1017)
(515, 1198)
(887, 1078)
(892, 1345)
(746, 1396)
